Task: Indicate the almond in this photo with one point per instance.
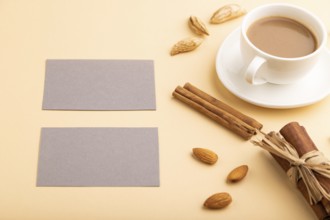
(186, 45)
(238, 173)
(218, 201)
(205, 155)
(197, 26)
(226, 13)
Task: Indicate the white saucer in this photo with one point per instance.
(311, 89)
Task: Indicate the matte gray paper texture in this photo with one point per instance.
(99, 85)
(98, 157)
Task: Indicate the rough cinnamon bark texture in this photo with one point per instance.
(221, 113)
(298, 137)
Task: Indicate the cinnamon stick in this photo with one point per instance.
(298, 137)
(221, 105)
(217, 114)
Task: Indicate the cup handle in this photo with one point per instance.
(252, 69)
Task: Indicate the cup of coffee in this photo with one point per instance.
(280, 43)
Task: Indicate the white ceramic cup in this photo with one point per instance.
(261, 67)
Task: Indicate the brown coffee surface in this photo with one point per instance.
(283, 37)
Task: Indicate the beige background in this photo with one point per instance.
(33, 31)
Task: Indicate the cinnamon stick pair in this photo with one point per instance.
(218, 111)
(298, 137)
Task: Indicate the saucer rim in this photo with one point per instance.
(225, 82)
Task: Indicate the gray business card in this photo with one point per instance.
(98, 157)
(99, 85)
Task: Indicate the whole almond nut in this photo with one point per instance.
(197, 26)
(186, 45)
(238, 173)
(205, 155)
(218, 201)
(227, 13)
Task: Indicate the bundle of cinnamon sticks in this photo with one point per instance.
(246, 127)
(298, 137)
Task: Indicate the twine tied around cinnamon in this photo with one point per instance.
(301, 167)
